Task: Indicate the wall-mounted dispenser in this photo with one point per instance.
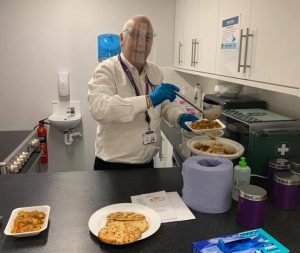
(63, 84)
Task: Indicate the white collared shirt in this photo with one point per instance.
(121, 114)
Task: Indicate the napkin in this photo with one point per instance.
(168, 205)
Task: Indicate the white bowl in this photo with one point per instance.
(232, 145)
(45, 209)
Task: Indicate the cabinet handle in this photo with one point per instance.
(179, 55)
(240, 51)
(192, 53)
(195, 45)
(244, 66)
(246, 50)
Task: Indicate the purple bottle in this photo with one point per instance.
(285, 190)
(296, 170)
(251, 206)
(274, 166)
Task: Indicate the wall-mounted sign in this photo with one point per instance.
(230, 29)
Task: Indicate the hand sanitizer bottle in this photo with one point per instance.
(241, 176)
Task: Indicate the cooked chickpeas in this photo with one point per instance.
(28, 221)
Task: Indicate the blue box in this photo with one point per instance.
(252, 241)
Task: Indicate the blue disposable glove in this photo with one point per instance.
(162, 92)
(240, 245)
(186, 117)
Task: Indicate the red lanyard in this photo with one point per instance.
(137, 92)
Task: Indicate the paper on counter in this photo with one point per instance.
(168, 205)
(181, 210)
(157, 201)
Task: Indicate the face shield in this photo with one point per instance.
(137, 43)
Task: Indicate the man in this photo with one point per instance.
(127, 98)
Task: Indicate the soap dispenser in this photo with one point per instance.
(241, 176)
(63, 84)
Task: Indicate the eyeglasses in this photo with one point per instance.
(135, 34)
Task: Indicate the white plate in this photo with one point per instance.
(203, 131)
(239, 149)
(98, 219)
(45, 209)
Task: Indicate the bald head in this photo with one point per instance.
(135, 20)
(136, 40)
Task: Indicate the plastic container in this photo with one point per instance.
(241, 176)
(251, 206)
(295, 169)
(274, 166)
(285, 193)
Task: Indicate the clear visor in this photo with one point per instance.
(138, 42)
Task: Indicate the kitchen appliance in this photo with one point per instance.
(264, 134)
(240, 102)
(19, 151)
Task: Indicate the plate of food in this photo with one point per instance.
(124, 223)
(205, 126)
(203, 145)
(27, 221)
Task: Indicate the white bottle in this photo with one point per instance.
(241, 176)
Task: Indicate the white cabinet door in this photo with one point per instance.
(207, 35)
(234, 15)
(165, 156)
(191, 39)
(275, 55)
(179, 34)
(200, 34)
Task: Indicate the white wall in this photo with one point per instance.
(40, 38)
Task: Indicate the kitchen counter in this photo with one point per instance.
(75, 196)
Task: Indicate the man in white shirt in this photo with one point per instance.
(127, 98)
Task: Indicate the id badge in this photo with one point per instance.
(149, 137)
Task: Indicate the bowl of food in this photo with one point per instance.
(27, 221)
(204, 145)
(205, 126)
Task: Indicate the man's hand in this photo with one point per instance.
(186, 117)
(162, 92)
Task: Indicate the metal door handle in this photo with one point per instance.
(179, 55)
(195, 44)
(192, 53)
(246, 50)
(244, 66)
(240, 51)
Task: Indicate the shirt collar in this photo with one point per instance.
(131, 67)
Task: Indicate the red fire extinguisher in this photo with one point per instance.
(42, 134)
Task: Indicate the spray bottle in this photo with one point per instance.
(241, 176)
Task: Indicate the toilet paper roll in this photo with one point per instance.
(207, 183)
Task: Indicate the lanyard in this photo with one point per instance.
(137, 92)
